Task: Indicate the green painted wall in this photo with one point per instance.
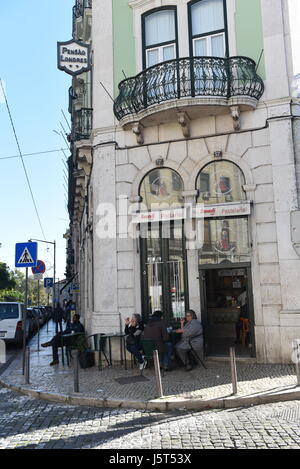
(124, 47)
(249, 35)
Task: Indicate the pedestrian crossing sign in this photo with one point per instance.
(26, 254)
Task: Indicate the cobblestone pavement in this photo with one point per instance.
(32, 424)
(211, 383)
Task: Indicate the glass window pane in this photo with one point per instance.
(225, 240)
(160, 27)
(152, 57)
(8, 311)
(225, 184)
(169, 53)
(217, 45)
(207, 15)
(159, 187)
(200, 46)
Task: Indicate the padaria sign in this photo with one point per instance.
(73, 57)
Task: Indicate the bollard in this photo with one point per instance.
(157, 374)
(76, 372)
(38, 347)
(233, 370)
(27, 365)
(296, 359)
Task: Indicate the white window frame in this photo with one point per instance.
(160, 50)
(208, 43)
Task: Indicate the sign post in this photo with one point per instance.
(38, 271)
(26, 256)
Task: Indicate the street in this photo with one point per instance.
(34, 424)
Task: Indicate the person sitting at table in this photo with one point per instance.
(156, 329)
(192, 337)
(72, 327)
(133, 330)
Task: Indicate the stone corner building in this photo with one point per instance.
(188, 102)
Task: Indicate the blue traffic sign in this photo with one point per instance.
(26, 254)
(48, 282)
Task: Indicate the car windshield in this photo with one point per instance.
(9, 311)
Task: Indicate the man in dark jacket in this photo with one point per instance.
(72, 327)
(58, 316)
(156, 329)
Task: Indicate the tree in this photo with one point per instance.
(7, 281)
(15, 291)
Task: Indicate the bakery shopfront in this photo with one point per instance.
(225, 289)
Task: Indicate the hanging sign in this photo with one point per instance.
(73, 57)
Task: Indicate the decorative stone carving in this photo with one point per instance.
(235, 114)
(138, 130)
(184, 121)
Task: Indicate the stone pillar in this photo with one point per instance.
(192, 253)
(285, 201)
(105, 316)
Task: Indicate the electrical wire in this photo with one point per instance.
(33, 154)
(22, 160)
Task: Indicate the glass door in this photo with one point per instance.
(163, 267)
(227, 310)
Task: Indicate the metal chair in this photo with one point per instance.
(194, 353)
(99, 346)
(149, 346)
(68, 344)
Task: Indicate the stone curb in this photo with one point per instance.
(157, 404)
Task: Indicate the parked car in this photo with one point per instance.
(39, 313)
(34, 320)
(44, 313)
(11, 322)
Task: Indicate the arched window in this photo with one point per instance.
(161, 186)
(220, 182)
(159, 36)
(208, 29)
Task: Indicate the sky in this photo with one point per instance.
(36, 92)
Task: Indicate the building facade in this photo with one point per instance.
(185, 169)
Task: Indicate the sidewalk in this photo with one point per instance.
(198, 389)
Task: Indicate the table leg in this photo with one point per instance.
(124, 348)
(109, 345)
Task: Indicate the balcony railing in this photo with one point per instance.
(78, 11)
(83, 123)
(188, 78)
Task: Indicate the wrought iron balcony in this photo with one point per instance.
(78, 12)
(79, 7)
(82, 124)
(219, 81)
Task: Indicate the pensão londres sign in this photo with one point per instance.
(73, 57)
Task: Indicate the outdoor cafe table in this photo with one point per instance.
(122, 338)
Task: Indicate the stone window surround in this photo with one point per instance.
(143, 6)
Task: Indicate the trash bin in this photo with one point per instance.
(86, 359)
